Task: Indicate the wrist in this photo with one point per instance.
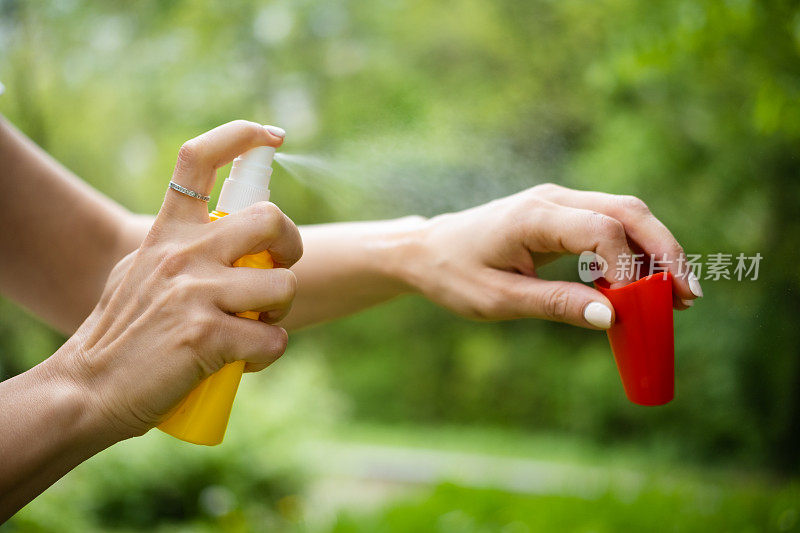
(48, 429)
(403, 247)
(77, 401)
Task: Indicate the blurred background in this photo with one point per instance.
(405, 417)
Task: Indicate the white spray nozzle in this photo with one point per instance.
(248, 182)
(258, 157)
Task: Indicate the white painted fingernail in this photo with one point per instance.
(598, 315)
(687, 303)
(694, 285)
(276, 131)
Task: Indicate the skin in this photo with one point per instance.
(150, 303)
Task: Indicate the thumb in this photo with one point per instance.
(561, 301)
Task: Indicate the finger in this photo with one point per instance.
(681, 304)
(199, 159)
(560, 301)
(565, 229)
(262, 226)
(254, 289)
(641, 226)
(242, 339)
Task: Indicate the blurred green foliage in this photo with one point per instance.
(454, 509)
(422, 107)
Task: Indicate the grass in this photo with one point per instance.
(673, 496)
(654, 456)
(680, 509)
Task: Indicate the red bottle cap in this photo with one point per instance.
(642, 337)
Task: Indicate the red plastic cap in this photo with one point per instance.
(642, 337)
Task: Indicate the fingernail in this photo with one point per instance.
(687, 303)
(598, 315)
(694, 285)
(276, 131)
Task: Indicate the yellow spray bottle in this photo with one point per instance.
(202, 417)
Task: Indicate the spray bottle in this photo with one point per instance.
(202, 417)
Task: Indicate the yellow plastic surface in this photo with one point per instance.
(202, 417)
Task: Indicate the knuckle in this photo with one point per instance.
(115, 277)
(633, 204)
(203, 336)
(189, 153)
(556, 304)
(188, 286)
(545, 188)
(201, 328)
(265, 213)
(173, 262)
(278, 341)
(177, 292)
(250, 129)
(290, 283)
(533, 201)
(491, 306)
(283, 284)
(526, 209)
(609, 228)
(122, 266)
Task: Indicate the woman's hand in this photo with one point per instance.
(165, 322)
(482, 262)
(166, 318)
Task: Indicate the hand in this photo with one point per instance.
(482, 262)
(166, 318)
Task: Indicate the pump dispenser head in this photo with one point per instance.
(248, 182)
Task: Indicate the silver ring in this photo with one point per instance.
(188, 192)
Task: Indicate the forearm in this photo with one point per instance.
(60, 237)
(47, 427)
(350, 266)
